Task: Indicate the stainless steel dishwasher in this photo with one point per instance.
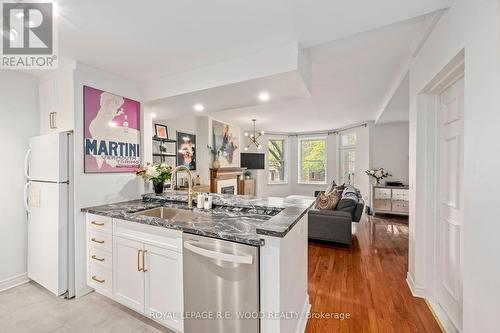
(221, 286)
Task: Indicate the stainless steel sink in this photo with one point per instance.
(172, 214)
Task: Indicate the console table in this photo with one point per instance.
(390, 200)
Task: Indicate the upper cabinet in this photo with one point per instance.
(56, 101)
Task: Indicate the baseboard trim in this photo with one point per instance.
(304, 316)
(439, 314)
(441, 317)
(415, 290)
(14, 281)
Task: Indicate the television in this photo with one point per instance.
(252, 161)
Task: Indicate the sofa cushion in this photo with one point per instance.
(327, 201)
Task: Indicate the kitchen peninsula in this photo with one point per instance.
(164, 260)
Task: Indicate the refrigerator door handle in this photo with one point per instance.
(26, 203)
(26, 163)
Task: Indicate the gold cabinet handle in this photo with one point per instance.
(96, 279)
(97, 223)
(97, 241)
(139, 255)
(144, 261)
(96, 258)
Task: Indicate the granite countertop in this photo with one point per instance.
(238, 218)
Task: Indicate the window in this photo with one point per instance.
(276, 164)
(312, 160)
(348, 139)
(348, 158)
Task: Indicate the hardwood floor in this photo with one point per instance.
(367, 282)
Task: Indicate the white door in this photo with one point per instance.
(164, 286)
(47, 159)
(128, 275)
(48, 235)
(451, 202)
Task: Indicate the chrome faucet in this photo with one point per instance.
(191, 193)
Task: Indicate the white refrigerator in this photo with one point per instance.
(48, 200)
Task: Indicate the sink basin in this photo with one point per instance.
(172, 214)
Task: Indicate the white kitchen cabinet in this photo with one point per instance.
(56, 100)
(139, 266)
(164, 286)
(128, 275)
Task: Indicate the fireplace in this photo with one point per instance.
(227, 186)
(227, 190)
(225, 180)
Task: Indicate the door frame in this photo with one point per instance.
(428, 113)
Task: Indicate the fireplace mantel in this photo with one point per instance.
(225, 174)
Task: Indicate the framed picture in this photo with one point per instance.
(226, 136)
(161, 131)
(186, 154)
(111, 132)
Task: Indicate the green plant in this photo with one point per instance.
(247, 173)
(216, 151)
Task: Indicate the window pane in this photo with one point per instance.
(348, 139)
(276, 161)
(313, 160)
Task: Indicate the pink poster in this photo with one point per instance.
(111, 132)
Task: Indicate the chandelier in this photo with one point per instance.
(254, 137)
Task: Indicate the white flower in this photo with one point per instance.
(152, 172)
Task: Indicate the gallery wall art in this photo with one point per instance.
(111, 132)
(227, 137)
(186, 154)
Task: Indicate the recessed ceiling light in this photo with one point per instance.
(153, 115)
(199, 107)
(264, 96)
(112, 124)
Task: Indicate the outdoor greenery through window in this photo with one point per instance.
(276, 161)
(312, 161)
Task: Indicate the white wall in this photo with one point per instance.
(98, 189)
(18, 120)
(475, 26)
(389, 144)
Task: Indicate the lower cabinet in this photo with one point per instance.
(163, 286)
(148, 279)
(141, 268)
(128, 275)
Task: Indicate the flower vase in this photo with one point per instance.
(158, 187)
(216, 164)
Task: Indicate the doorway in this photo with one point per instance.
(440, 121)
(450, 201)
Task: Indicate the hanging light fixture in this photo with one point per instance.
(254, 137)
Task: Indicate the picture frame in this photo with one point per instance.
(161, 131)
(186, 153)
(110, 121)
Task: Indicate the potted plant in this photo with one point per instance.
(378, 174)
(247, 174)
(216, 155)
(157, 173)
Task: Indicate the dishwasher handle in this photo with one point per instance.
(237, 259)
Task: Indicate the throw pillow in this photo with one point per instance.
(327, 201)
(331, 187)
(338, 190)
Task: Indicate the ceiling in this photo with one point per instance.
(398, 109)
(152, 39)
(350, 80)
(284, 86)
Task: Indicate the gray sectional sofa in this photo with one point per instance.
(335, 225)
